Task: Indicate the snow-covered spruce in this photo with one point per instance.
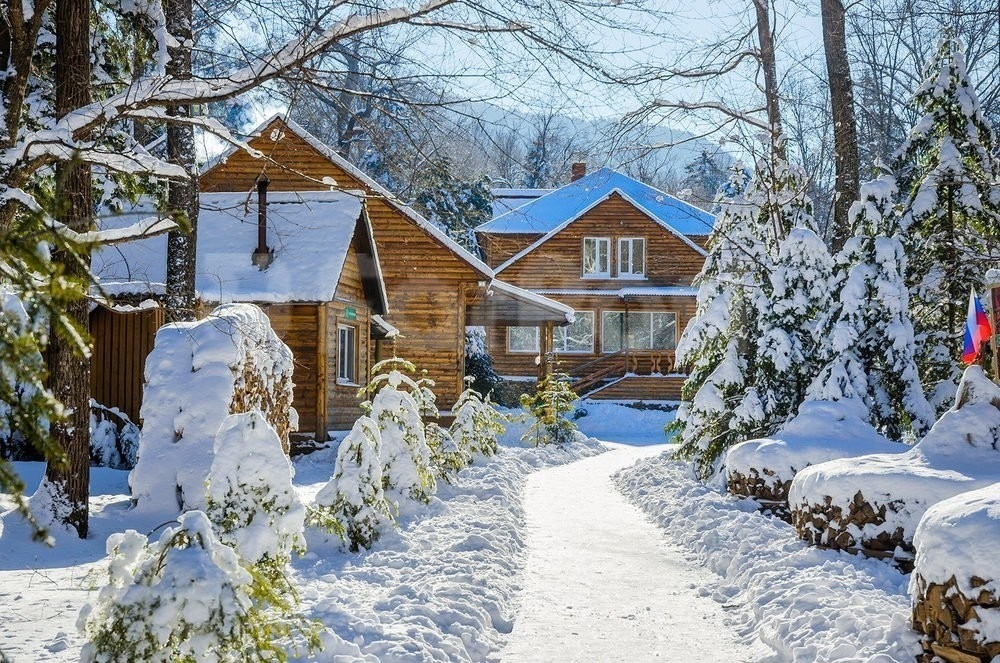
(822, 431)
(185, 597)
(546, 410)
(869, 349)
(948, 174)
(114, 439)
(407, 474)
(447, 457)
(251, 500)
(955, 584)
(353, 504)
(477, 423)
(197, 374)
(807, 604)
(875, 502)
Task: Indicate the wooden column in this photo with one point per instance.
(544, 350)
(625, 344)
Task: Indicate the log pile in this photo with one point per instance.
(944, 614)
(762, 485)
(827, 525)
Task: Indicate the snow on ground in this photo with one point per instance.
(809, 605)
(603, 583)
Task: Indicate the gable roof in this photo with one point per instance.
(369, 183)
(310, 232)
(505, 200)
(553, 210)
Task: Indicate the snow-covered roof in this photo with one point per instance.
(310, 233)
(633, 291)
(554, 209)
(368, 182)
(505, 200)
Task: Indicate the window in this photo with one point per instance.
(647, 330)
(596, 256)
(577, 337)
(522, 339)
(631, 257)
(347, 354)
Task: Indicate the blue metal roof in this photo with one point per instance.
(549, 212)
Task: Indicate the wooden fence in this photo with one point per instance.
(122, 340)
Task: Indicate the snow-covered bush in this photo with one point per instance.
(353, 504)
(822, 431)
(547, 409)
(185, 597)
(955, 584)
(251, 500)
(114, 439)
(875, 502)
(477, 423)
(197, 374)
(447, 456)
(407, 475)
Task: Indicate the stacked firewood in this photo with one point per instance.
(944, 614)
(762, 485)
(828, 525)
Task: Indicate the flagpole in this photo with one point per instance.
(995, 315)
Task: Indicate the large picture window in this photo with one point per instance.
(647, 330)
(631, 257)
(597, 256)
(577, 337)
(522, 339)
(347, 354)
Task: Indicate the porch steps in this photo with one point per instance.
(639, 387)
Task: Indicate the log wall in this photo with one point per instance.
(122, 341)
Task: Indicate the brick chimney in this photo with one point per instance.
(578, 170)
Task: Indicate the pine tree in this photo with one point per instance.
(456, 205)
(703, 177)
(868, 344)
(353, 502)
(947, 172)
(477, 423)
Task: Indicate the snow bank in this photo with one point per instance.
(822, 431)
(444, 587)
(956, 581)
(196, 375)
(807, 604)
(876, 501)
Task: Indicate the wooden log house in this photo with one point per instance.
(427, 291)
(623, 255)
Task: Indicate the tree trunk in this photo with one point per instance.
(845, 134)
(182, 197)
(768, 64)
(68, 484)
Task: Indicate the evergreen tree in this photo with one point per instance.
(457, 206)
(704, 178)
(947, 172)
(477, 423)
(479, 363)
(353, 502)
(868, 346)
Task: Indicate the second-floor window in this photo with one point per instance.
(597, 256)
(631, 257)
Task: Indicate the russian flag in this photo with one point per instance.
(977, 329)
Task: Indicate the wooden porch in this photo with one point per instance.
(629, 375)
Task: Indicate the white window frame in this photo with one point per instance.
(604, 349)
(598, 242)
(560, 348)
(347, 367)
(522, 352)
(630, 272)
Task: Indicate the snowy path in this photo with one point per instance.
(602, 584)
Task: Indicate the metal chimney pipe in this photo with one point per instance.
(262, 255)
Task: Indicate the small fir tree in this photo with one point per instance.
(948, 172)
(547, 409)
(353, 504)
(185, 598)
(477, 423)
(250, 497)
(407, 475)
(447, 457)
(868, 344)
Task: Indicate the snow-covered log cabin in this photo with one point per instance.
(623, 255)
(428, 288)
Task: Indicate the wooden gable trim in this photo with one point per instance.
(562, 226)
(372, 281)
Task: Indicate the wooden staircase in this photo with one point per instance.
(628, 374)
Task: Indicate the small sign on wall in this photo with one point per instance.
(350, 313)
